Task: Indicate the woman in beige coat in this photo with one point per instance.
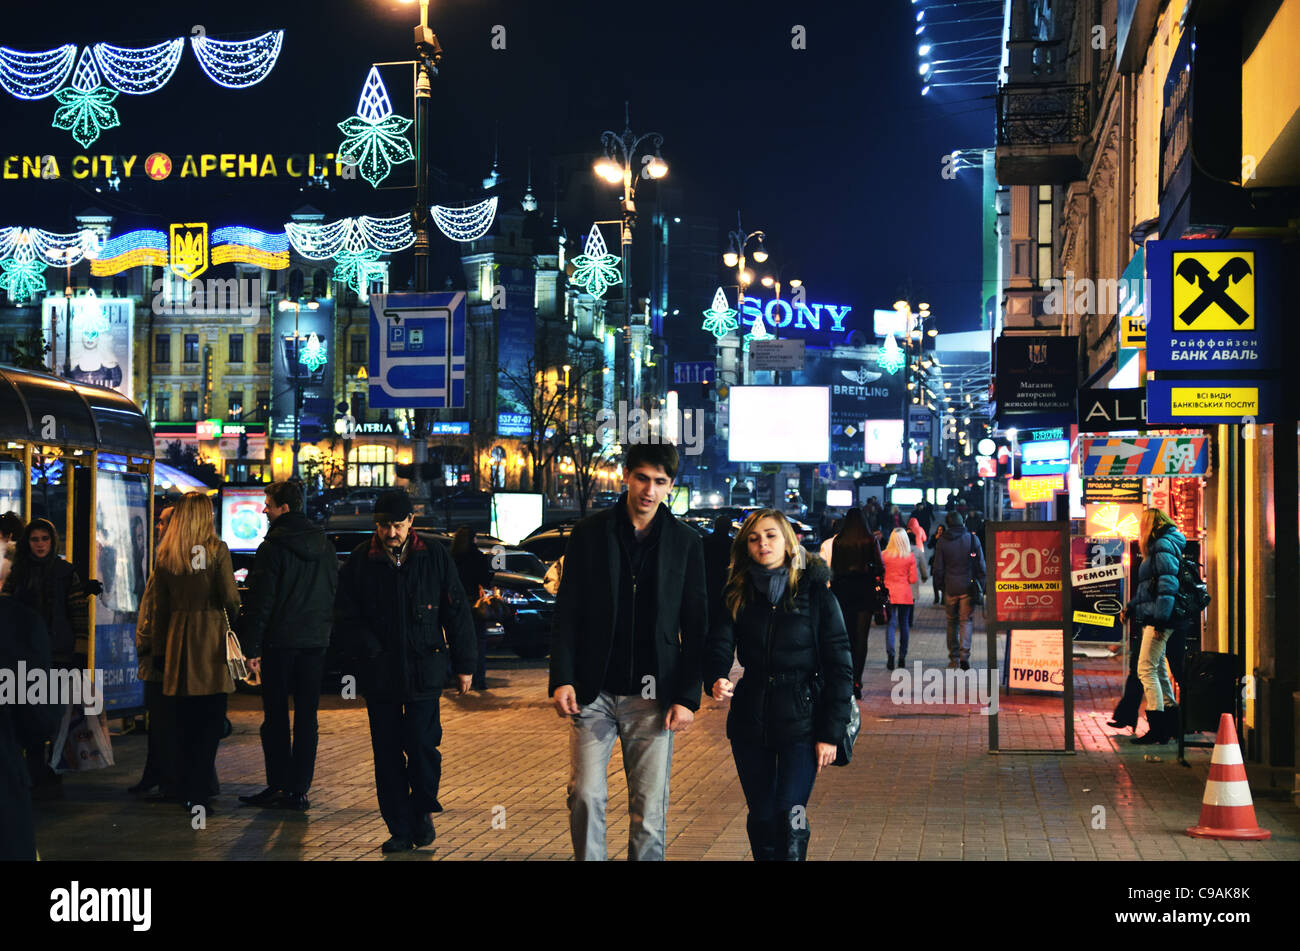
(192, 595)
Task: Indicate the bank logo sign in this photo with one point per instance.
(1214, 290)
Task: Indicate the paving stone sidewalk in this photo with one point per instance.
(921, 786)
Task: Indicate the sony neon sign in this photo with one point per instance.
(782, 313)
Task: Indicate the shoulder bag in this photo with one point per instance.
(976, 588)
(235, 660)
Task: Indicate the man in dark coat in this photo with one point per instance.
(398, 596)
(22, 725)
(958, 558)
(717, 561)
(288, 616)
(626, 651)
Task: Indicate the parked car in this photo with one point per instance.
(549, 545)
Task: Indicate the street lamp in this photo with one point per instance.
(616, 165)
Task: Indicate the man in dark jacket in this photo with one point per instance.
(717, 561)
(288, 615)
(630, 623)
(22, 639)
(400, 609)
(958, 558)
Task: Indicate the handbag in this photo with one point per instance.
(236, 663)
(844, 749)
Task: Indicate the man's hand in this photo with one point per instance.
(679, 718)
(566, 701)
(723, 688)
(826, 753)
(463, 680)
(254, 663)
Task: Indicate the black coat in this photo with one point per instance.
(779, 700)
(291, 588)
(390, 621)
(474, 569)
(55, 593)
(22, 638)
(586, 608)
(717, 560)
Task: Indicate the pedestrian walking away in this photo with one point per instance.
(630, 624)
(1152, 606)
(900, 575)
(717, 561)
(474, 569)
(400, 610)
(791, 708)
(858, 581)
(191, 602)
(958, 560)
(285, 631)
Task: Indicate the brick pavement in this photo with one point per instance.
(921, 786)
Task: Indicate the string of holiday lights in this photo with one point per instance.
(318, 242)
(26, 252)
(375, 139)
(465, 224)
(251, 237)
(85, 104)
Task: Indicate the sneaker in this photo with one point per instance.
(396, 844)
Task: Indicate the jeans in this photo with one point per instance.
(647, 763)
(777, 784)
(408, 765)
(902, 613)
(1152, 670)
(958, 607)
(199, 725)
(290, 765)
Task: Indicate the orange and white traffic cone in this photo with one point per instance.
(1227, 811)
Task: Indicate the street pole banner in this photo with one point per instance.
(1027, 577)
(1036, 382)
(1097, 588)
(417, 350)
(1036, 661)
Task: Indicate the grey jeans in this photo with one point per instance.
(957, 610)
(647, 762)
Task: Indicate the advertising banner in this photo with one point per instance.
(1207, 402)
(1215, 305)
(1036, 661)
(884, 442)
(516, 336)
(1026, 576)
(1036, 380)
(417, 350)
(860, 390)
(1097, 588)
(243, 523)
(122, 536)
(99, 348)
(1112, 490)
(1172, 456)
(1104, 410)
(302, 355)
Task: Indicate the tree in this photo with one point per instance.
(543, 395)
(29, 353)
(583, 438)
(186, 459)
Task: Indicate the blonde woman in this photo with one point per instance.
(192, 595)
(900, 575)
(1152, 607)
(792, 706)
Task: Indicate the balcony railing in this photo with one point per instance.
(1042, 114)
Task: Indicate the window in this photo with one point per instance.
(263, 348)
(235, 404)
(236, 348)
(358, 353)
(190, 412)
(1044, 234)
(162, 407)
(162, 348)
(358, 407)
(263, 404)
(191, 348)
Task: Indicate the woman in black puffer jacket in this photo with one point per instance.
(1152, 606)
(792, 706)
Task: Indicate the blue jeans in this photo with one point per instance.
(647, 763)
(1152, 670)
(958, 607)
(902, 613)
(777, 784)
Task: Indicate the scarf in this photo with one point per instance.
(770, 580)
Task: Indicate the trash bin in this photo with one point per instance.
(1210, 683)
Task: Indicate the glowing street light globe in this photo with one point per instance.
(609, 170)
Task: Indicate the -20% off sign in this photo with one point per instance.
(1028, 577)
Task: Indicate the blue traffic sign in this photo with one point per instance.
(417, 350)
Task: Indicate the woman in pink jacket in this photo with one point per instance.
(900, 575)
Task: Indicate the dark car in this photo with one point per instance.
(548, 546)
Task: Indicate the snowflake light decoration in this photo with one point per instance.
(354, 268)
(758, 331)
(86, 107)
(890, 357)
(22, 280)
(312, 354)
(720, 319)
(26, 252)
(375, 139)
(596, 270)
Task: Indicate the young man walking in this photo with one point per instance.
(288, 616)
(958, 558)
(630, 623)
(400, 610)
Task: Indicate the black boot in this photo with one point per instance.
(1155, 730)
(1171, 727)
(1126, 711)
(889, 662)
(796, 843)
(762, 840)
(902, 661)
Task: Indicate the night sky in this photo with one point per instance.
(831, 150)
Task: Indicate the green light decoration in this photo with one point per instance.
(758, 331)
(596, 270)
(354, 268)
(85, 107)
(22, 279)
(720, 319)
(375, 138)
(889, 357)
(312, 354)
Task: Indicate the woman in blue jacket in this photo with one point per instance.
(1153, 607)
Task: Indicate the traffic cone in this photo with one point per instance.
(1227, 811)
